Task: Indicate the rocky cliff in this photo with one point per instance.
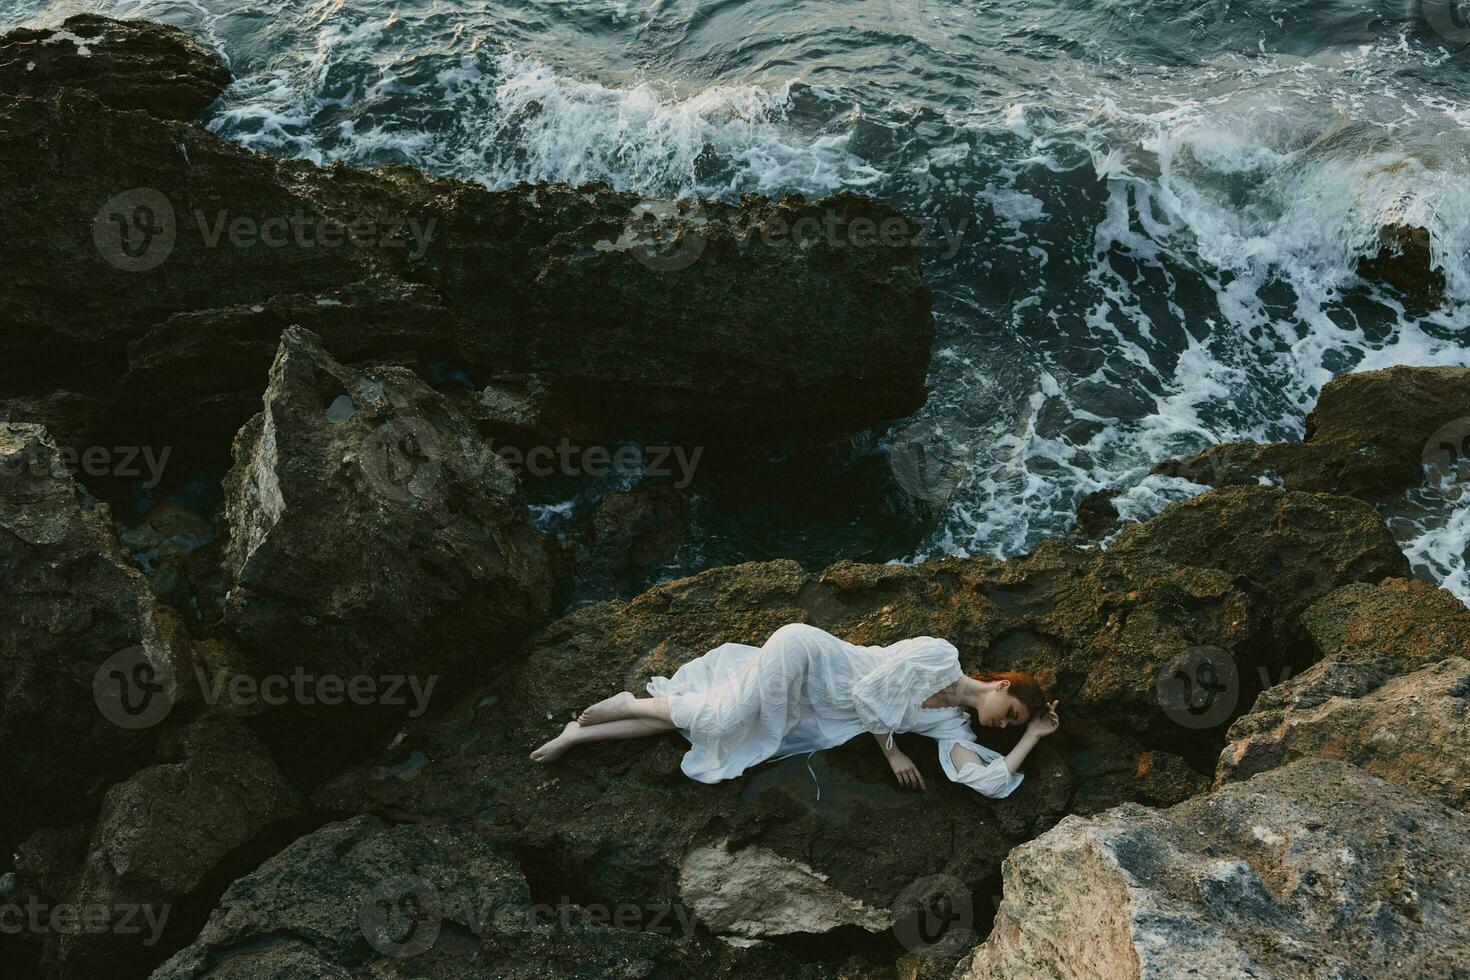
(301, 748)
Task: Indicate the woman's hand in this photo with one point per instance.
(1043, 723)
(905, 771)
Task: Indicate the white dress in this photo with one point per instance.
(805, 690)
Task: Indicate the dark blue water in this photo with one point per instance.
(1146, 215)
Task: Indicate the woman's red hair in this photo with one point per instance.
(1024, 688)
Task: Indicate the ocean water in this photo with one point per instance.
(1146, 213)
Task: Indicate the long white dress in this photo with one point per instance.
(806, 689)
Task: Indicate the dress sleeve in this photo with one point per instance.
(989, 778)
(888, 697)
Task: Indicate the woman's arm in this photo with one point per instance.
(903, 767)
(1039, 727)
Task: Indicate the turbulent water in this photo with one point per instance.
(1146, 213)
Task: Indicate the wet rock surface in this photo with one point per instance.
(714, 316)
(1314, 870)
(1370, 436)
(127, 64)
(1405, 261)
(1265, 636)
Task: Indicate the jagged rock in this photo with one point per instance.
(752, 893)
(128, 64)
(1405, 621)
(1097, 515)
(371, 530)
(1405, 261)
(1315, 870)
(1101, 626)
(1408, 728)
(210, 808)
(361, 898)
(1368, 436)
(86, 656)
(772, 324)
(1254, 533)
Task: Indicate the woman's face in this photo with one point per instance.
(999, 709)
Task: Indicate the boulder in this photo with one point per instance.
(362, 898)
(1408, 728)
(1405, 261)
(212, 807)
(1404, 621)
(89, 660)
(1369, 436)
(371, 530)
(1102, 627)
(1313, 870)
(739, 317)
(127, 64)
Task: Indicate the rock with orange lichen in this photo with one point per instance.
(1369, 436)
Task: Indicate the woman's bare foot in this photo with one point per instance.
(615, 708)
(557, 747)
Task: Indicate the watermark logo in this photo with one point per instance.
(1447, 456)
(664, 244)
(138, 229)
(132, 691)
(1199, 688)
(935, 916)
(135, 231)
(1450, 19)
(401, 458)
(402, 916)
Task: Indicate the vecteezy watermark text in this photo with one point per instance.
(402, 916)
(133, 692)
(570, 459)
(137, 230)
(93, 918)
(331, 690)
(130, 462)
(668, 239)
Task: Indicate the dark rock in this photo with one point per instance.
(631, 535)
(128, 64)
(1369, 436)
(127, 225)
(371, 530)
(1097, 516)
(1314, 870)
(1404, 622)
(1288, 547)
(77, 614)
(1405, 261)
(1100, 627)
(163, 834)
(358, 898)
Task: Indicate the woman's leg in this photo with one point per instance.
(575, 734)
(624, 705)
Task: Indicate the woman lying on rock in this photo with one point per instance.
(807, 690)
